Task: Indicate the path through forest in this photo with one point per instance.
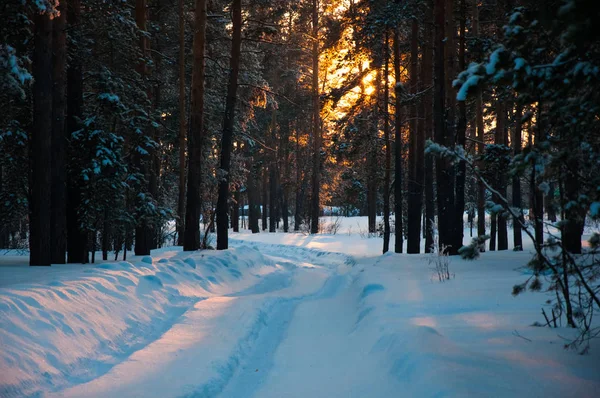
(267, 319)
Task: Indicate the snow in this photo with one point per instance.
(282, 315)
(472, 81)
(595, 209)
(519, 63)
(490, 68)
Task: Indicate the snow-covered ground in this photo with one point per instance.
(282, 315)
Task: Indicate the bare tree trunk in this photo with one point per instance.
(253, 206)
(227, 138)
(143, 239)
(428, 116)
(501, 180)
(105, 236)
(76, 238)
(399, 242)
(388, 149)
(315, 208)
(516, 182)
(480, 139)
(537, 194)
(461, 131)
(455, 228)
(415, 183)
(265, 199)
(182, 127)
(40, 231)
(285, 138)
(196, 135)
(372, 149)
(273, 198)
(58, 218)
(235, 214)
(445, 175)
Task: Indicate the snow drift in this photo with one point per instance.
(68, 330)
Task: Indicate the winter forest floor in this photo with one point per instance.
(283, 315)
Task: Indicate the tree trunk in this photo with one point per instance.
(196, 135)
(415, 185)
(501, 187)
(538, 196)
(399, 242)
(253, 206)
(455, 235)
(299, 188)
(285, 138)
(516, 182)
(143, 238)
(105, 237)
(265, 199)
(76, 238)
(550, 202)
(40, 230)
(388, 149)
(182, 127)
(428, 116)
(574, 216)
(461, 132)
(315, 207)
(445, 177)
(227, 138)
(480, 140)
(272, 198)
(235, 214)
(59, 144)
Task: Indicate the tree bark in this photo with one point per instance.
(265, 198)
(461, 132)
(235, 214)
(516, 182)
(444, 173)
(182, 127)
(273, 198)
(428, 116)
(196, 135)
(40, 230)
(143, 237)
(537, 194)
(253, 206)
(227, 138)
(76, 238)
(501, 140)
(371, 144)
(480, 140)
(285, 138)
(399, 241)
(315, 207)
(298, 209)
(388, 149)
(415, 183)
(58, 218)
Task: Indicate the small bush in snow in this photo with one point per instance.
(440, 262)
(332, 227)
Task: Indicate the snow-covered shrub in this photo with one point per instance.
(439, 260)
(474, 249)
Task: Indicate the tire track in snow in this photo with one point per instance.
(254, 369)
(254, 358)
(299, 254)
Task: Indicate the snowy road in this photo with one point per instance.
(267, 320)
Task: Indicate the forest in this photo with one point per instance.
(454, 127)
(131, 115)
